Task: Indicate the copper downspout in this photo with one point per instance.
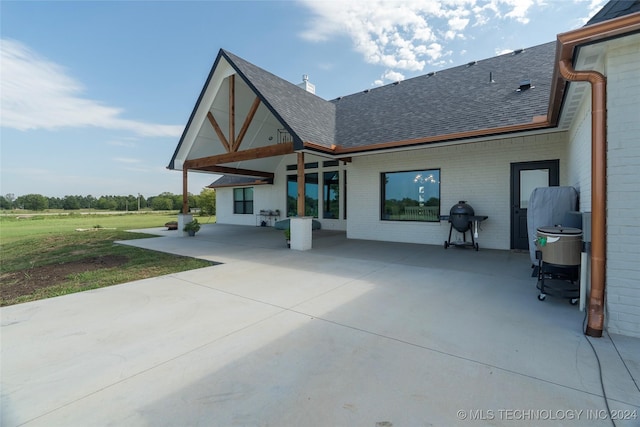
(598, 190)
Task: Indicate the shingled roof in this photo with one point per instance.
(615, 9)
(480, 95)
(235, 181)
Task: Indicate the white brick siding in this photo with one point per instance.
(623, 187)
(579, 151)
(478, 173)
(224, 208)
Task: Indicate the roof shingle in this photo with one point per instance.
(615, 9)
(459, 99)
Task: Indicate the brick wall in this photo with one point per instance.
(478, 173)
(623, 186)
(579, 151)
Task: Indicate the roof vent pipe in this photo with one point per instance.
(598, 82)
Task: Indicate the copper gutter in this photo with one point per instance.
(567, 45)
(537, 122)
(598, 190)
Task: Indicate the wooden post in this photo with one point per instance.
(301, 194)
(185, 193)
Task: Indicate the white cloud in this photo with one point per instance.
(126, 160)
(39, 94)
(458, 24)
(500, 51)
(407, 34)
(393, 76)
(519, 10)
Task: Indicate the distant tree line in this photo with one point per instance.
(205, 202)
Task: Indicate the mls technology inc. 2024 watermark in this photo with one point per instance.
(545, 414)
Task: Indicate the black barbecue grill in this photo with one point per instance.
(462, 217)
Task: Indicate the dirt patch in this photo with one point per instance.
(26, 282)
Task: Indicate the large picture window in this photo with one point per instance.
(411, 195)
(310, 192)
(243, 200)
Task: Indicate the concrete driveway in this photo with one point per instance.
(351, 333)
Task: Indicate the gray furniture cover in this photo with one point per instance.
(548, 206)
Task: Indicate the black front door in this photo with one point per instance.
(525, 177)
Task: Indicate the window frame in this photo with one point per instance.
(327, 191)
(421, 209)
(246, 204)
(309, 209)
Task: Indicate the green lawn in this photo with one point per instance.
(44, 256)
(19, 226)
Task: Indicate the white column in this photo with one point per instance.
(182, 220)
(301, 233)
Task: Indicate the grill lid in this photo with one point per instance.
(462, 208)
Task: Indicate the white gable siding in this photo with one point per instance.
(623, 186)
(478, 173)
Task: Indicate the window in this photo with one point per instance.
(313, 165)
(243, 200)
(411, 196)
(311, 195)
(330, 192)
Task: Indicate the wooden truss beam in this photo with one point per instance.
(232, 110)
(245, 125)
(218, 130)
(238, 156)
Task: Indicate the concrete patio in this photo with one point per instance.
(351, 333)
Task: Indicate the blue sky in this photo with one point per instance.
(95, 94)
